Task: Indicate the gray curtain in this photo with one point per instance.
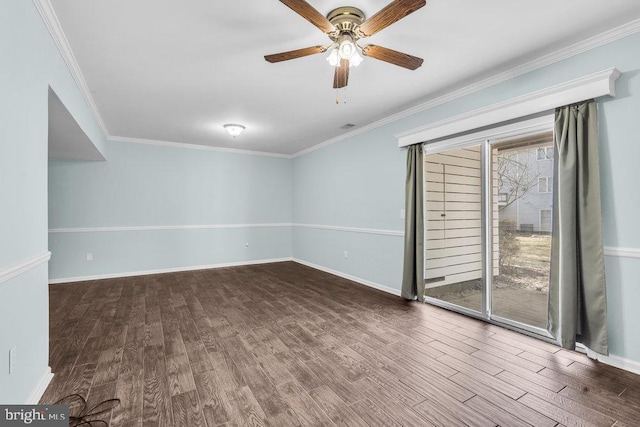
(413, 272)
(577, 293)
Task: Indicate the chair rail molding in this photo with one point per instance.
(352, 229)
(165, 227)
(622, 252)
(116, 229)
(22, 267)
(593, 85)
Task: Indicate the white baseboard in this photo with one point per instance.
(350, 277)
(41, 386)
(165, 270)
(230, 264)
(616, 361)
(612, 360)
(39, 389)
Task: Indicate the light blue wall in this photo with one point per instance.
(29, 64)
(369, 256)
(359, 183)
(145, 186)
(623, 294)
(356, 183)
(24, 317)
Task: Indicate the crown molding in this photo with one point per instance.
(195, 146)
(52, 23)
(582, 46)
(55, 29)
(537, 63)
(48, 15)
(389, 119)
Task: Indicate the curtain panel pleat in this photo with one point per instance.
(413, 271)
(577, 290)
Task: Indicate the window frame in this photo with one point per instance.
(546, 151)
(548, 186)
(540, 219)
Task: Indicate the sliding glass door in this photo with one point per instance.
(523, 185)
(488, 219)
(453, 204)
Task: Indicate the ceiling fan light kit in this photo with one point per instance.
(346, 46)
(333, 59)
(345, 26)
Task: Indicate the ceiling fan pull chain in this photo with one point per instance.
(338, 96)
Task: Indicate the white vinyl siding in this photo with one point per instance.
(453, 217)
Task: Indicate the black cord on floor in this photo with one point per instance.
(84, 417)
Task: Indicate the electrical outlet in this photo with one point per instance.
(89, 256)
(12, 359)
(246, 244)
(346, 254)
(402, 214)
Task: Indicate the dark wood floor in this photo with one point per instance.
(283, 344)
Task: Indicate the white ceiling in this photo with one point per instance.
(176, 71)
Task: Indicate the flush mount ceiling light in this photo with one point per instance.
(234, 129)
(345, 26)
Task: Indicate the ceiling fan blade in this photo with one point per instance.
(293, 54)
(393, 12)
(392, 56)
(308, 12)
(341, 76)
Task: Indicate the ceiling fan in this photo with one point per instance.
(345, 26)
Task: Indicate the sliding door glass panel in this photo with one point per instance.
(522, 192)
(453, 218)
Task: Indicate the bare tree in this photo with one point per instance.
(515, 177)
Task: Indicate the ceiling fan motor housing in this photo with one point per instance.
(346, 19)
